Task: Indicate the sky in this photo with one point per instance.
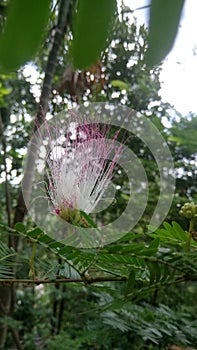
(179, 73)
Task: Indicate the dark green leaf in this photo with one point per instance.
(164, 20)
(26, 21)
(154, 271)
(88, 219)
(155, 244)
(135, 248)
(35, 233)
(130, 282)
(55, 244)
(19, 227)
(72, 255)
(91, 28)
(65, 250)
(45, 239)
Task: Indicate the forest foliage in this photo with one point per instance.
(140, 290)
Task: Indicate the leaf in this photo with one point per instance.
(19, 227)
(164, 20)
(58, 248)
(4, 91)
(135, 248)
(171, 234)
(113, 320)
(130, 282)
(88, 219)
(155, 244)
(46, 268)
(130, 236)
(26, 21)
(155, 272)
(68, 271)
(118, 264)
(122, 86)
(91, 28)
(7, 260)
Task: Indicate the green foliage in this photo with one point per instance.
(120, 84)
(155, 325)
(133, 86)
(8, 258)
(185, 126)
(145, 267)
(24, 28)
(64, 341)
(172, 234)
(164, 20)
(23, 32)
(101, 322)
(91, 28)
(139, 291)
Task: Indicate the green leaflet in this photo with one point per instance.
(26, 21)
(91, 28)
(172, 234)
(122, 86)
(164, 20)
(130, 282)
(88, 219)
(154, 272)
(20, 227)
(8, 258)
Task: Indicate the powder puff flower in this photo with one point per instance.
(80, 166)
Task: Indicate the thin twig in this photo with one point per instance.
(63, 280)
(191, 229)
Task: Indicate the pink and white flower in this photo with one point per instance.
(80, 166)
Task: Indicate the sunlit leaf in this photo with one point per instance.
(91, 28)
(155, 244)
(172, 234)
(164, 21)
(4, 91)
(122, 86)
(26, 21)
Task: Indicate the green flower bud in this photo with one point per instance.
(189, 210)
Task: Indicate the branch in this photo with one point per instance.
(157, 286)
(62, 24)
(16, 338)
(86, 280)
(89, 280)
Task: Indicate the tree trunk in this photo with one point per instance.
(5, 301)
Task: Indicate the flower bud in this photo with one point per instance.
(189, 210)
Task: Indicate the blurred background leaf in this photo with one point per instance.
(164, 21)
(26, 21)
(91, 29)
